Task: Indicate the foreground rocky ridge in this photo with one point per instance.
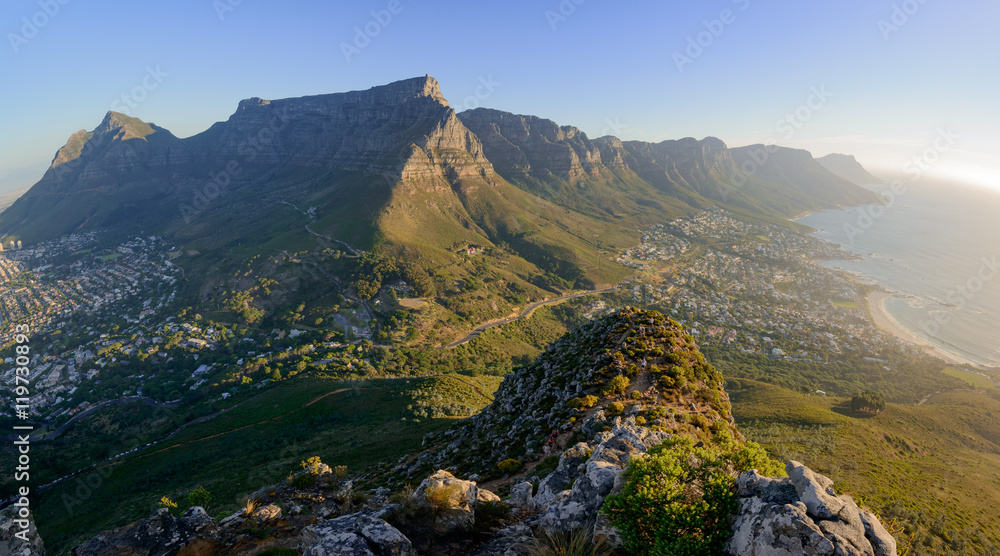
(778, 516)
(493, 485)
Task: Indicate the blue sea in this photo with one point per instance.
(936, 246)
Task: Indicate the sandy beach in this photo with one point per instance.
(886, 322)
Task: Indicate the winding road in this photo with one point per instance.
(528, 310)
(354, 252)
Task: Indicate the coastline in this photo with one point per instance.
(888, 324)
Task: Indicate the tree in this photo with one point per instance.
(199, 497)
(868, 402)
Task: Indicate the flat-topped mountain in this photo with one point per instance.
(395, 166)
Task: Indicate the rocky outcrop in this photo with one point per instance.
(538, 398)
(12, 531)
(578, 506)
(161, 534)
(453, 500)
(357, 534)
(803, 515)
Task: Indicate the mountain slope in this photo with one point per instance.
(847, 167)
(396, 171)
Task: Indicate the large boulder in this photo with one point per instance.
(570, 466)
(602, 472)
(520, 496)
(802, 515)
(158, 535)
(11, 525)
(357, 534)
(452, 500)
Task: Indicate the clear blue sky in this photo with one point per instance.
(605, 67)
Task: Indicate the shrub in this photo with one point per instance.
(699, 421)
(614, 408)
(868, 402)
(490, 515)
(312, 465)
(677, 500)
(304, 480)
(167, 503)
(636, 395)
(277, 551)
(199, 497)
(441, 496)
(616, 386)
(640, 420)
(341, 470)
(582, 403)
(509, 465)
(577, 542)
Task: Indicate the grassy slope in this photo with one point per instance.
(354, 428)
(933, 470)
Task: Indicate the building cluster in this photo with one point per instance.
(757, 289)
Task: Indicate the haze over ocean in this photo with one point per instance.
(936, 247)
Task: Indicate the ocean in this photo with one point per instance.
(936, 247)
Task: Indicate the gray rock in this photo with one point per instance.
(515, 540)
(794, 516)
(268, 514)
(486, 496)
(565, 473)
(601, 473)
(10, 525)
(520, 496)
(815, 491)
(158, 535)
(357, 534)
(458, 511)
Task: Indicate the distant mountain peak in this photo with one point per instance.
(124, 127)
(848, 167)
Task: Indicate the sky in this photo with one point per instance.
(907, 86)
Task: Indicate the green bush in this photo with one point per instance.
(614, 408)
(509, 466)
(582, 403)
(199, 497)
(676, 504)
(868, 402)
(304, 480)
(616, 386)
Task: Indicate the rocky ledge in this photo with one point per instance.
(798, 514)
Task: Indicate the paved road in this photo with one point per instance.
(354, 252)
(524, 314)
